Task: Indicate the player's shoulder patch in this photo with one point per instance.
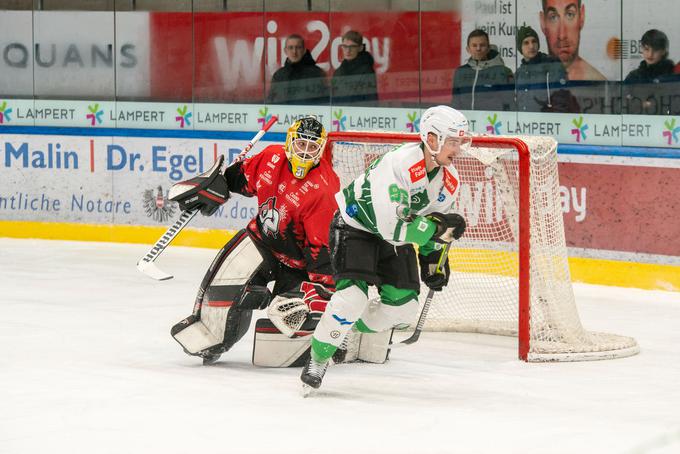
(417, 171)
(450, 182)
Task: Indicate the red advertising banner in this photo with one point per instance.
(621, 207)
(235, 54)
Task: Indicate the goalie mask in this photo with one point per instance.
(304, 145)
(447, 124)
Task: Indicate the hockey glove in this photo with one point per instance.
(205, 192)
(434, 269)
(289, 311)
(450, 226)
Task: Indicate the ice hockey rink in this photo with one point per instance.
(88, 366)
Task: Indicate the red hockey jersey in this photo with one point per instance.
(293, 215)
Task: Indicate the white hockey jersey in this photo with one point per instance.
(394, 192)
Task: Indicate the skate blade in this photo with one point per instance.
(307, 390)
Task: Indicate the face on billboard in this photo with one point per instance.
(561, 22)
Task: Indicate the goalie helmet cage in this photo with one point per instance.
(509, 271)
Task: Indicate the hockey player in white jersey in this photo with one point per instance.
(404, 198)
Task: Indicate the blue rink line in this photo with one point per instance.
(590, 150)
(131, 132)
(632, 152)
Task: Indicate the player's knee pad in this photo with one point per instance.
(344, 309)
(379, 316)
(225, 300)
(387, 317)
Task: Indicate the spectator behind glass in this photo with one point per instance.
(561, 22)
(354, 82)
(484, 82)
(643, 87)
(540, 78)
(300, 81)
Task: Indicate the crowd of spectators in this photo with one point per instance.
(301, 81)
(557, 81)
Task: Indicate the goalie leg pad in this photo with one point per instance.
(365, 347)
(219, 320)
(193, 335)
(271, 348)
(375, 347)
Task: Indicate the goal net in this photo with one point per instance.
(509, 271)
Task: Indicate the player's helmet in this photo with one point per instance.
(304, 145)
(444, 122)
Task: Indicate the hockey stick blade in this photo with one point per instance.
(146, 265)
(419, 326)
(151, 270)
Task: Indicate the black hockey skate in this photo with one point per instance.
(210, 359)
(312, 375)
(211, 355)
(341, 353)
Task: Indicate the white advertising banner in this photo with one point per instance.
(584, 129)
(109, 180)
(75, 53)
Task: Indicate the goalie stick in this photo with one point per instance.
(426, 307)
(146, 264)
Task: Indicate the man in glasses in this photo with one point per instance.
(354, 82)
(285, 242)
(300, 80)
(404, 197)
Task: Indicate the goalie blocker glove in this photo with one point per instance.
(205, 192)
(450, 226)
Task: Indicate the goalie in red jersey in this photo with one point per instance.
(286, 242)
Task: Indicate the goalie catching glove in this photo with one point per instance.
(289, 311)
(205, 192)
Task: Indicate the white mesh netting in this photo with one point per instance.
(483, 291)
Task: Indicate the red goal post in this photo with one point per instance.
(510, 272)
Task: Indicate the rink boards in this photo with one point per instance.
(618, 203)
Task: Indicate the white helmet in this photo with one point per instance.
(444, 121)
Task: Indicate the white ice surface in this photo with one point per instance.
(87, 365)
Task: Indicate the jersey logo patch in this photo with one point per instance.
(450, 182)
(269, 217)
(417, 171)
(342, 321)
